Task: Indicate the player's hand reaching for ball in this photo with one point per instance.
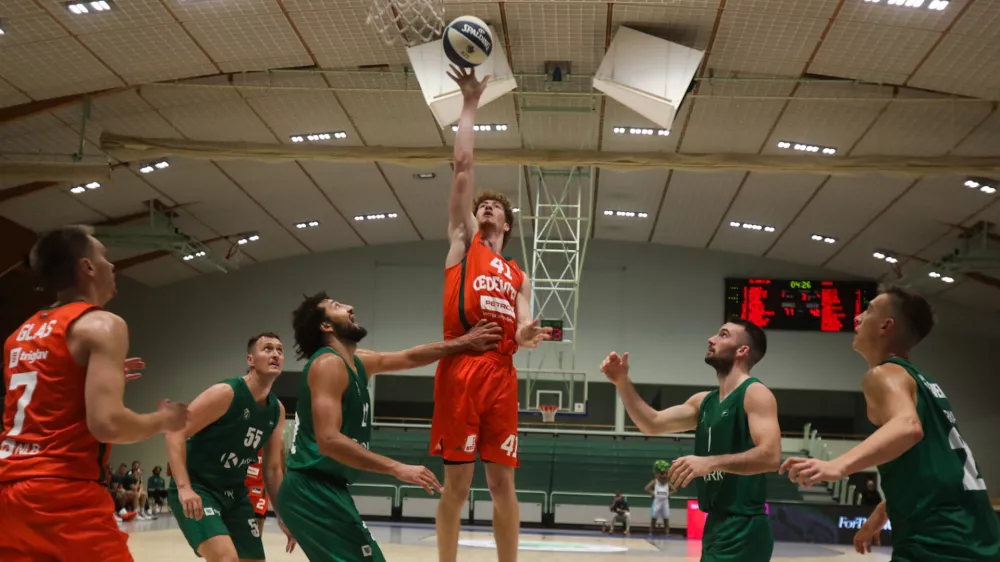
(419, 476)
(531, 334)
(484, 336)
(466, 80)
(173, 414)
(615, 367)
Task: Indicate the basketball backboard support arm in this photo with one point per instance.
(560, 221)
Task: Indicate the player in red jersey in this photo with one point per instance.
(64, 375)
(475, 395)
(255, 484)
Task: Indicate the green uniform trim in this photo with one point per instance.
(461, 299)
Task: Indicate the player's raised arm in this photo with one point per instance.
(209, 406)
(104, 338)
(484, 336)
(676, 419)
(461, 221)
(892, 404)
(328, 379)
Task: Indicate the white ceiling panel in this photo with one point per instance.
(159, 272)
(290, 196)
(984, 140)
(425, 200)
(220, 121)
(930, 126)
(302, 113)
(191, 181)
(570, 123)
(617, 115)
(122, 195)
(895, 16)
(340, 38)
(498, 112)
(252, 42)
(975, 295)
(841, 208)
(725, 118)
(766, 200)
(877, 53)
(391, 118)
(149, 54)
(11, 96)
(685, 23)
(943, 199)
(185, 10)
(27, 22)
(896, 231)
(131, 14)
(60, 208)
(786, 41)
(638, 192)
(829, 115)
(54, 68)
(557, 31)
(694, 205)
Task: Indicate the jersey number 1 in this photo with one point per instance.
(502, 268)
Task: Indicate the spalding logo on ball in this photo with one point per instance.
(467, 41)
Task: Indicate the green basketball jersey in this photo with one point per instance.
(723, 429)
(936, 499)
(355, 423)
(218, 456)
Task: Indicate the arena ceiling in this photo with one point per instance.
(865, 78)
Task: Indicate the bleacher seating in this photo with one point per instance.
(594, 465)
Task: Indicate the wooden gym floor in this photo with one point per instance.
(161, 541)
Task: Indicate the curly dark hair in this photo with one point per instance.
(306, 321)
(508, 211)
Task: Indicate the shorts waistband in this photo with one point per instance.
(498, 358)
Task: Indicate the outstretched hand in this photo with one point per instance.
(615, 367)
(532, 334)
(133, 364)
(466, 80)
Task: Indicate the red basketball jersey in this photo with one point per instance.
(483, 286)
(45, 430)
(254, 475)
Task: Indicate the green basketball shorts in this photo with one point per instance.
(226, 513)
(737, 538)
(322, 517)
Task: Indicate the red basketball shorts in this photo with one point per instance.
(258, 498)
(475, 409)
(55, 519)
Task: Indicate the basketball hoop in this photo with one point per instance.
(413, 21)
(548, 412)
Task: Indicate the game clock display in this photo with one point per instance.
(796, 304)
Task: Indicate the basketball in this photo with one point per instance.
(467, 41)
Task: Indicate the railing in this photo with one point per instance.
(395, 490)
(545, 496)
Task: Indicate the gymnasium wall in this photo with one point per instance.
(659, 303)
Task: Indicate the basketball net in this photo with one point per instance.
(413, 21)
(548, 412)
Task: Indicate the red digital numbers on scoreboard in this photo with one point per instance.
(754, 307)
(796, 304)
(831, 310)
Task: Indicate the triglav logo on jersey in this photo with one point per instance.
(230, 460)
(246, 413)
(17, 356)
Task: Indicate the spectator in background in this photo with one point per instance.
(620, 508)
(870, 496)
(156, 488)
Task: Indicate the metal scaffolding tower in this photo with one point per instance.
(559, 226)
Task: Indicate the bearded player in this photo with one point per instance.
(64, 377)
(475, 395)
(934, 495)
(228, 424)
(737, 441)
(333, 428)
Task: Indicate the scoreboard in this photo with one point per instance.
(803, 305)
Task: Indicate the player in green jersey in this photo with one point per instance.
(227, 424)
(333, 428)
(935, 497)
(737, 441)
